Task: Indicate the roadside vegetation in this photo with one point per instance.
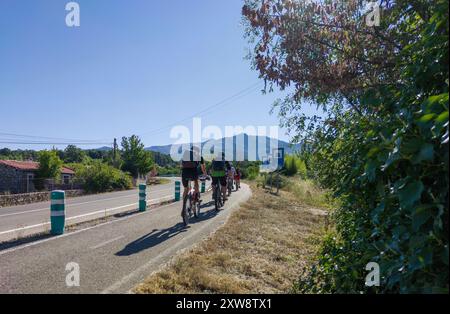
(261, 249)
(101, 170)
(381, 147)
(96, 176)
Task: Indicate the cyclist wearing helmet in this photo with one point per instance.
(237, 178)
(218, 174)
(190, 164)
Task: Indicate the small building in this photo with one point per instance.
(18, 176)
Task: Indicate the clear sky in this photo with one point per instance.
(132, 67)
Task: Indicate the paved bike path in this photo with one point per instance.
(113, 257)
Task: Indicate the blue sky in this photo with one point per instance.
(132, 67)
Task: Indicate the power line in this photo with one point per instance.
(47, 138)
(65, 141)
(246, 91)
(51, 143)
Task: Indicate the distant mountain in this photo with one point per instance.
(104, 148)
(247, 141)
(165, 149)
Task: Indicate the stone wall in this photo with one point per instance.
(28, 198)
(10, 179)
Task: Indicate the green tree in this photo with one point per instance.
(73, 154)
(135, 159)
(49, 168)
(290, 165)
(49, 165)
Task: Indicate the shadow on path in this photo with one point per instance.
(158, 236)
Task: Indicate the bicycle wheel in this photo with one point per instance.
(217, 199)
(197, 210)
(196, 206)
(184, 212)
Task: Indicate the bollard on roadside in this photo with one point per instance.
(203, 188)
(142, 197)
(57, 212)
(177, 190)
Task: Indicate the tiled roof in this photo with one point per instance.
(30, 166)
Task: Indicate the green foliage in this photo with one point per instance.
(164, 160)
(19, 154)
(97, 176)
(73, 154)
(135, 159)
(49, 165)
(267, 179)
(49, 168)
(249, 169)
(290, 165)
(168, 170)
(294, 165)
(99, 154)
(391, 173)
(382, 151)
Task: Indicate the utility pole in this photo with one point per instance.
(115, 152)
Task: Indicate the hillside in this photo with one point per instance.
(247, 140)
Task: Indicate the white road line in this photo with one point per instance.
(78, 231)
(84, 215)
(68, 205)
(25, 228)
(101, 211)
(107, 242)
(81, 230)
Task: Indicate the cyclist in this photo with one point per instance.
(231, 173)
(237, 178)
(218, 174)
(190, 164)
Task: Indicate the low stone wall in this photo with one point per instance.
(28, 198)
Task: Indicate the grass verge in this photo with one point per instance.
(261, 249)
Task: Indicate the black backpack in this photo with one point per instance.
(188, 162)
(218, 165)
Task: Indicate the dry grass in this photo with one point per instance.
(261, 249)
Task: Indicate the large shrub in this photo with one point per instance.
(383, 147)
(294, 165)
(97, 176)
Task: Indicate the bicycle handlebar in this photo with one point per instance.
(204, 178)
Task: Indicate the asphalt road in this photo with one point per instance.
(19, 221)
(114, 256)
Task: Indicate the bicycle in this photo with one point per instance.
(191, 203)
(238, 184)
(229, 185)
(217, 196)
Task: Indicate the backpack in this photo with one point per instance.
(218, 165)
(188, 162)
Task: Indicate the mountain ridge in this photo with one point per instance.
(288, 148)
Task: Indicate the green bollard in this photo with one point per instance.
(57, 212)
(203, 188)
(142, 197)
(177, 190)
